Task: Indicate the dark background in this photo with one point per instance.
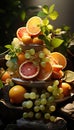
(14, 14)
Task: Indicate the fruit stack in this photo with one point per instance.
(31, 63)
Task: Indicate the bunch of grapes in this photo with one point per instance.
(36, 57)
(41, 105)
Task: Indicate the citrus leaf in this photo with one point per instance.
(53, 15)
(45, 9)
(51, 9)
(56, 42)
(8, 46)
(41, 14)
(46, 21)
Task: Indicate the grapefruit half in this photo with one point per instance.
(28, 70)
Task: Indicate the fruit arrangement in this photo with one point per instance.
(30, 60)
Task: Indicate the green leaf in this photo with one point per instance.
(41, 14)
(45, 9)
(8, 46)
(53, 15)
(51, 9)
(1, 84)
(23, 15)
(56, 42)
(45, 21)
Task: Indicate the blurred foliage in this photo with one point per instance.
(12, 15)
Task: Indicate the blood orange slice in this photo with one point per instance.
(21, 32)
(28, 70)
(33, 25)
(45, 72)
(58, 59)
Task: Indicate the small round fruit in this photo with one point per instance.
(20, 32)
(66, 88)
(36, 40)
(5, 76)
(33, 24)
(16, 94)
(26, 39)
(28, 70)
(20, 58)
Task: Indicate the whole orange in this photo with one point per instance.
(16, 94)
(66, 88)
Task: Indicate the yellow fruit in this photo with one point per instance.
(16, 94)
(33, 25)
(66, 88)
(5, 76)
(36, 40)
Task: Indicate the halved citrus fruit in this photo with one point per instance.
(20, 32)
(33, 25)
(58, 59)
(45, 72)
(28, 70)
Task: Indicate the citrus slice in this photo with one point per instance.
(33, 24)
(20, 32)
(58, 59)
(28, 70)
(45, 72)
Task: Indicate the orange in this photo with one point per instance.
(57, 74)
(26, 39)
(36, 40)
(66, 88)
(45, 72)
(20, 32)
(58, 58)
(5, 76)
(28, 70)
(21, 58)
(16, 94)
(33, 25)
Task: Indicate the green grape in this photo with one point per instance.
(43, 101)
(37, 96)
(29, 104)
(43, 63)
(42, 107)
(32, 95)
(60, 90)
(56, 83)
(52, 108)
(55, 92)
(37, 102)
(36, 108)
(27, 55)
(49, 88)
(52, 118)
(25, 115)
(47, 116)
(43, 95)
(47, 94)
(9, 64)
(51, 99)
(38, 115)
(32, 51)
(41, 54)
(30, 114)
(27, 95)
(24, 104)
